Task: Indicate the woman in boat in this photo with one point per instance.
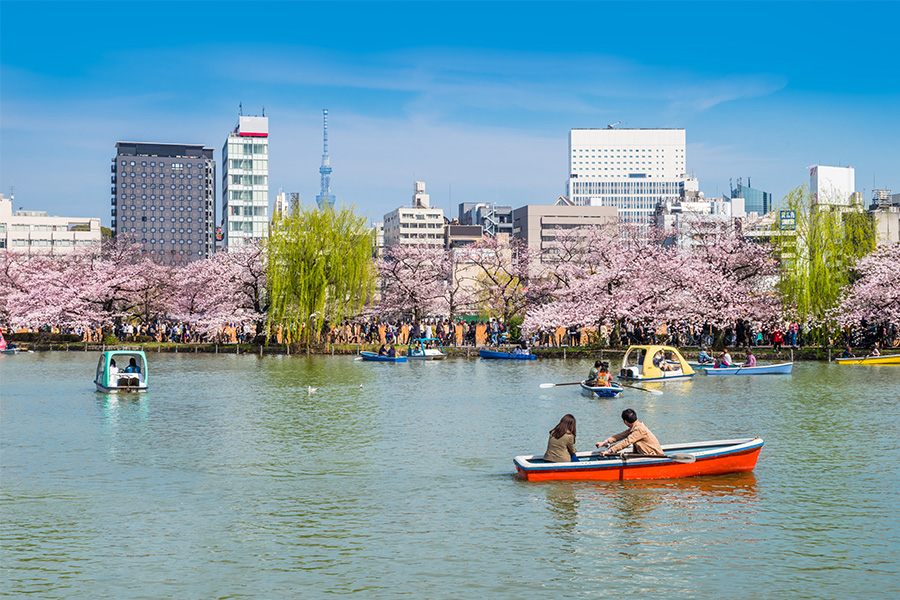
(561, 445)
(392, 352)
(382, 351)
(660, 362)
(751, 360)
(604, 379)
(848, 353)
(875, 351)
(636, 435)
(113, 369)
(132, 367)
(724, 359)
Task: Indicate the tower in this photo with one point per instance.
(325, 199)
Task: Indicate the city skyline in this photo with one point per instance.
(475, 99)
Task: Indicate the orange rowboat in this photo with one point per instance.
(717, 457)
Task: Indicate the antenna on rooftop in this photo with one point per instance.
(241, 109)
(613, 125)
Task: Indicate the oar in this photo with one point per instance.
(550, 385)
(634, 387)
(681, 458)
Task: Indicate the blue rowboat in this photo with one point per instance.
(377, 358)
(612, 391)
(506, 355)
(783, 368)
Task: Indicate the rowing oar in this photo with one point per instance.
(550, 385)
(634, 387)
(681, 458)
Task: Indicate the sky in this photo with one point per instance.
(476, 99)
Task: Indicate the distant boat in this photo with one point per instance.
(637, 364)
(717, 457)
(113, 380)
(372, 356)
(506, 355)
(782, 369)
(425, 349)
(892, 359)
(611, 391)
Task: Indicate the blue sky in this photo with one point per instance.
(474, 98)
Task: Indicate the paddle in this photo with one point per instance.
(634, 387)
(681, 458)
(550, 385)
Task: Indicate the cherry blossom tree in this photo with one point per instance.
(875, 295)
(414, 280)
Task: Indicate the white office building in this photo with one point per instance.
(832, 185)
(417, 224)
(629, 169)
(245, 182)
(34, 232)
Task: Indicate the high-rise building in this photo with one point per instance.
(245, 182)
(539, 225)
(418, 224)
(832, 185)
(756, 201)
(164, 197)
(630, 169)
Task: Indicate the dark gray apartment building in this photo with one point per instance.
(164, 198)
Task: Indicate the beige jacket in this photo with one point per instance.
(642, 438)
(560, 450)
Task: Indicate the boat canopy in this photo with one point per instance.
(122, 360)
(642, 356)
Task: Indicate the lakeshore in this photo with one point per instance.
(564, 352)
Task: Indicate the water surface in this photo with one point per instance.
(229, 480)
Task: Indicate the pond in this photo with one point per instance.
(229, 479)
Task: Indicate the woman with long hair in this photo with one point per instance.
(561, 446)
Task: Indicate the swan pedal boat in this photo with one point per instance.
(891, 359)
(783, 369)
(506, 355)
(374, 357)
(121, 381)
(637, 364)
(718, 457)
(612, 391)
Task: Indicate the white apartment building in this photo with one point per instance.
(629, 169)
(418, 224)
(832, 185)
(34, 232)
(245, 182)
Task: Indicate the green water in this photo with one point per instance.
(229, 480)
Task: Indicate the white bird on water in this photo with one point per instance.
(312, 390)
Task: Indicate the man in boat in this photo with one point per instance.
(636, 435)
(848, 353)
(703, 357)
(594, 374)
(382, 351)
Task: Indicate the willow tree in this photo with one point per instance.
(817, 255)
(320, 270)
